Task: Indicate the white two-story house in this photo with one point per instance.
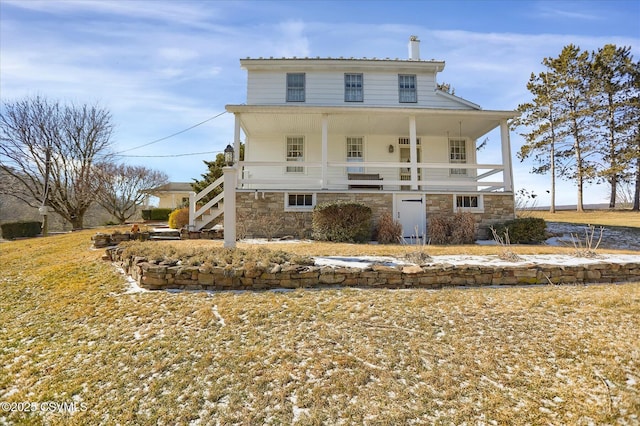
(376, 131)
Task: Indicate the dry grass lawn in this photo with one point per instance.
(589, 217)
(69, 332)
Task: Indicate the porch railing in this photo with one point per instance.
(395, 175)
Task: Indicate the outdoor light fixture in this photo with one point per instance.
(228, 155)
(391, 149)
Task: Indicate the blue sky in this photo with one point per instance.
(163, 66)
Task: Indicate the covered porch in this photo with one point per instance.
(406, 147)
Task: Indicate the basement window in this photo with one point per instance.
(468, 203)
(299, 201)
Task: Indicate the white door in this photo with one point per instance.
(410, 211)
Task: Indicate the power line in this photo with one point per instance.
(170, 136)
(170, 155)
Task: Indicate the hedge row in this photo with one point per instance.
(527, 230)
(156, 214)
(20, 229)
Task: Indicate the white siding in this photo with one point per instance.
(326, 88)
(272, 148)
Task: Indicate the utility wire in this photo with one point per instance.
(170, 136)
(171, 155)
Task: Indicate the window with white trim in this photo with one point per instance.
(355, 153)
(458, 154)
(353, 91)
(468, 203)
(299, 201)
(407, 88)
(295, 87)
(295, 152)
(407, 141)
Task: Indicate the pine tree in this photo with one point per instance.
(571, 71)
(540, 117)
(214, 171)
(611, 85)
(632, 118)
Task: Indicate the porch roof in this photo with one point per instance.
(170, 187)
(270, 119)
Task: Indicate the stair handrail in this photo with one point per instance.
(194, 198)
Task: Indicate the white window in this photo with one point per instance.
(355, 153)
(407, 88)
(407, 141)
(458, 154)
(295, 152)
(299, 201)
(295, 87)
(353, 88)
(468, 203)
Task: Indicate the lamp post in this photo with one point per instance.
(228, 156)
(229, 173)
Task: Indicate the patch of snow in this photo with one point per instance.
(133, 286)
(297, 411)
(218, 316)
(266, 241)
(364, 262)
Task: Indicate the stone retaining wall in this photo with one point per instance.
(161, 276)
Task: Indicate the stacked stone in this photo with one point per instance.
(101, 240)
(172, 276)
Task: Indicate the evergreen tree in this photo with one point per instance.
(633, 119)
(543, 135)
(611, 87)
(571, 72)
(214, 171)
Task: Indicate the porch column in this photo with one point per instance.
(236, 139)
(192, 211)
(325, 150)
(229, 206)
(506, 156)
(413, 152)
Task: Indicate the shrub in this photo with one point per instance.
(20, 229)
(342, 221)
(463, 228)
(389, 230)
(179, 218)
(156, 214)
(459, 228)
(527, 230)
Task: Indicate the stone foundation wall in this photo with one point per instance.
(265, 216)
(497, 208)
(154, 276)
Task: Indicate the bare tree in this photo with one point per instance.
(118, 187)
(50, 150)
